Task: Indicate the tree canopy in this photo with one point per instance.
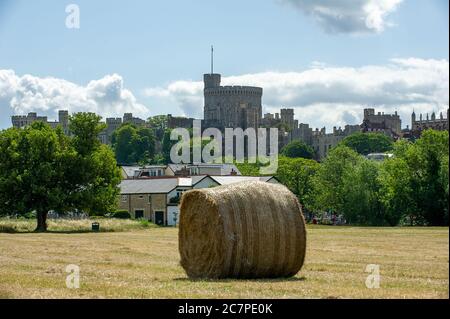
(297, 149)
(133, 145)
(366, 143)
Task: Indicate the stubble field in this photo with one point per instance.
(143, 262)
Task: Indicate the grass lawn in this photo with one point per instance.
(143, 262)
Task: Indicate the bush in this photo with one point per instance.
(122, 214)
(144, 223)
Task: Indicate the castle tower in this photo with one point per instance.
(413, 120)
(230, 106)
(211, 80)
(63, 119)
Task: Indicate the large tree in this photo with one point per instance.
(329, 192)
(361, 204)
(297, 175)
(31, 174)
(94, 174)
(415, 181)
(42, 170)
(366, 143)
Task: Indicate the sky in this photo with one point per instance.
(327, 59)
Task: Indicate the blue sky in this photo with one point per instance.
(148, 56)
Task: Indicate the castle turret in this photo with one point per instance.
(211, 80)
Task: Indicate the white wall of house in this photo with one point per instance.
(174, 193)
(172, 213)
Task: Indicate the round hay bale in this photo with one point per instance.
(242, 230)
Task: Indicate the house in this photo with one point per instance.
(179, 170)
(157, 199)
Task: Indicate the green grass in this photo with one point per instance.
(73, 226)
(144, 263)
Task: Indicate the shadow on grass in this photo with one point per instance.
(268, 280)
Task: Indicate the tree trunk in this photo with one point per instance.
(41, 222)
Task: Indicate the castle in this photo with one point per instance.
(241, 107)
(19, 121)
(105, 136)
(439, 124)
(389, 124)
(231, 106)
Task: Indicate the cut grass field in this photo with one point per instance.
(143, 262)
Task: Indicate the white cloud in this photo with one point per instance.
(348, 16)
(106, 96)
(328, 96)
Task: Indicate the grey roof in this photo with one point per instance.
(165, 185)
(198, 178)
(148, 186)
(225, 169)
(225, 180)
(129, 170)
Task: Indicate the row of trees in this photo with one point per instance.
(412, 187)
(43, 170)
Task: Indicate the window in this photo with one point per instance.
(150, 199)
(141, 196)
(124, 198)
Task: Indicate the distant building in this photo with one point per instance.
(231, 106)
(112, 124)
(389, 124)
(157, 200)
(439, 124)
(323, 142)
(19, 121)
(182, 170)
(379, 157)
(179, 121)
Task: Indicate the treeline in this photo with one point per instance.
(410, 188)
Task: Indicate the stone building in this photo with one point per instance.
(390, 124)
(231, 106)
(158, 199)
(179, 121)
(439, 124)
(19, 121)
(113, 123)
(287, 117)
(323, 142)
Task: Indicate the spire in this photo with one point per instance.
(212, 59)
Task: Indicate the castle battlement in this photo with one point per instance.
(234, 90)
